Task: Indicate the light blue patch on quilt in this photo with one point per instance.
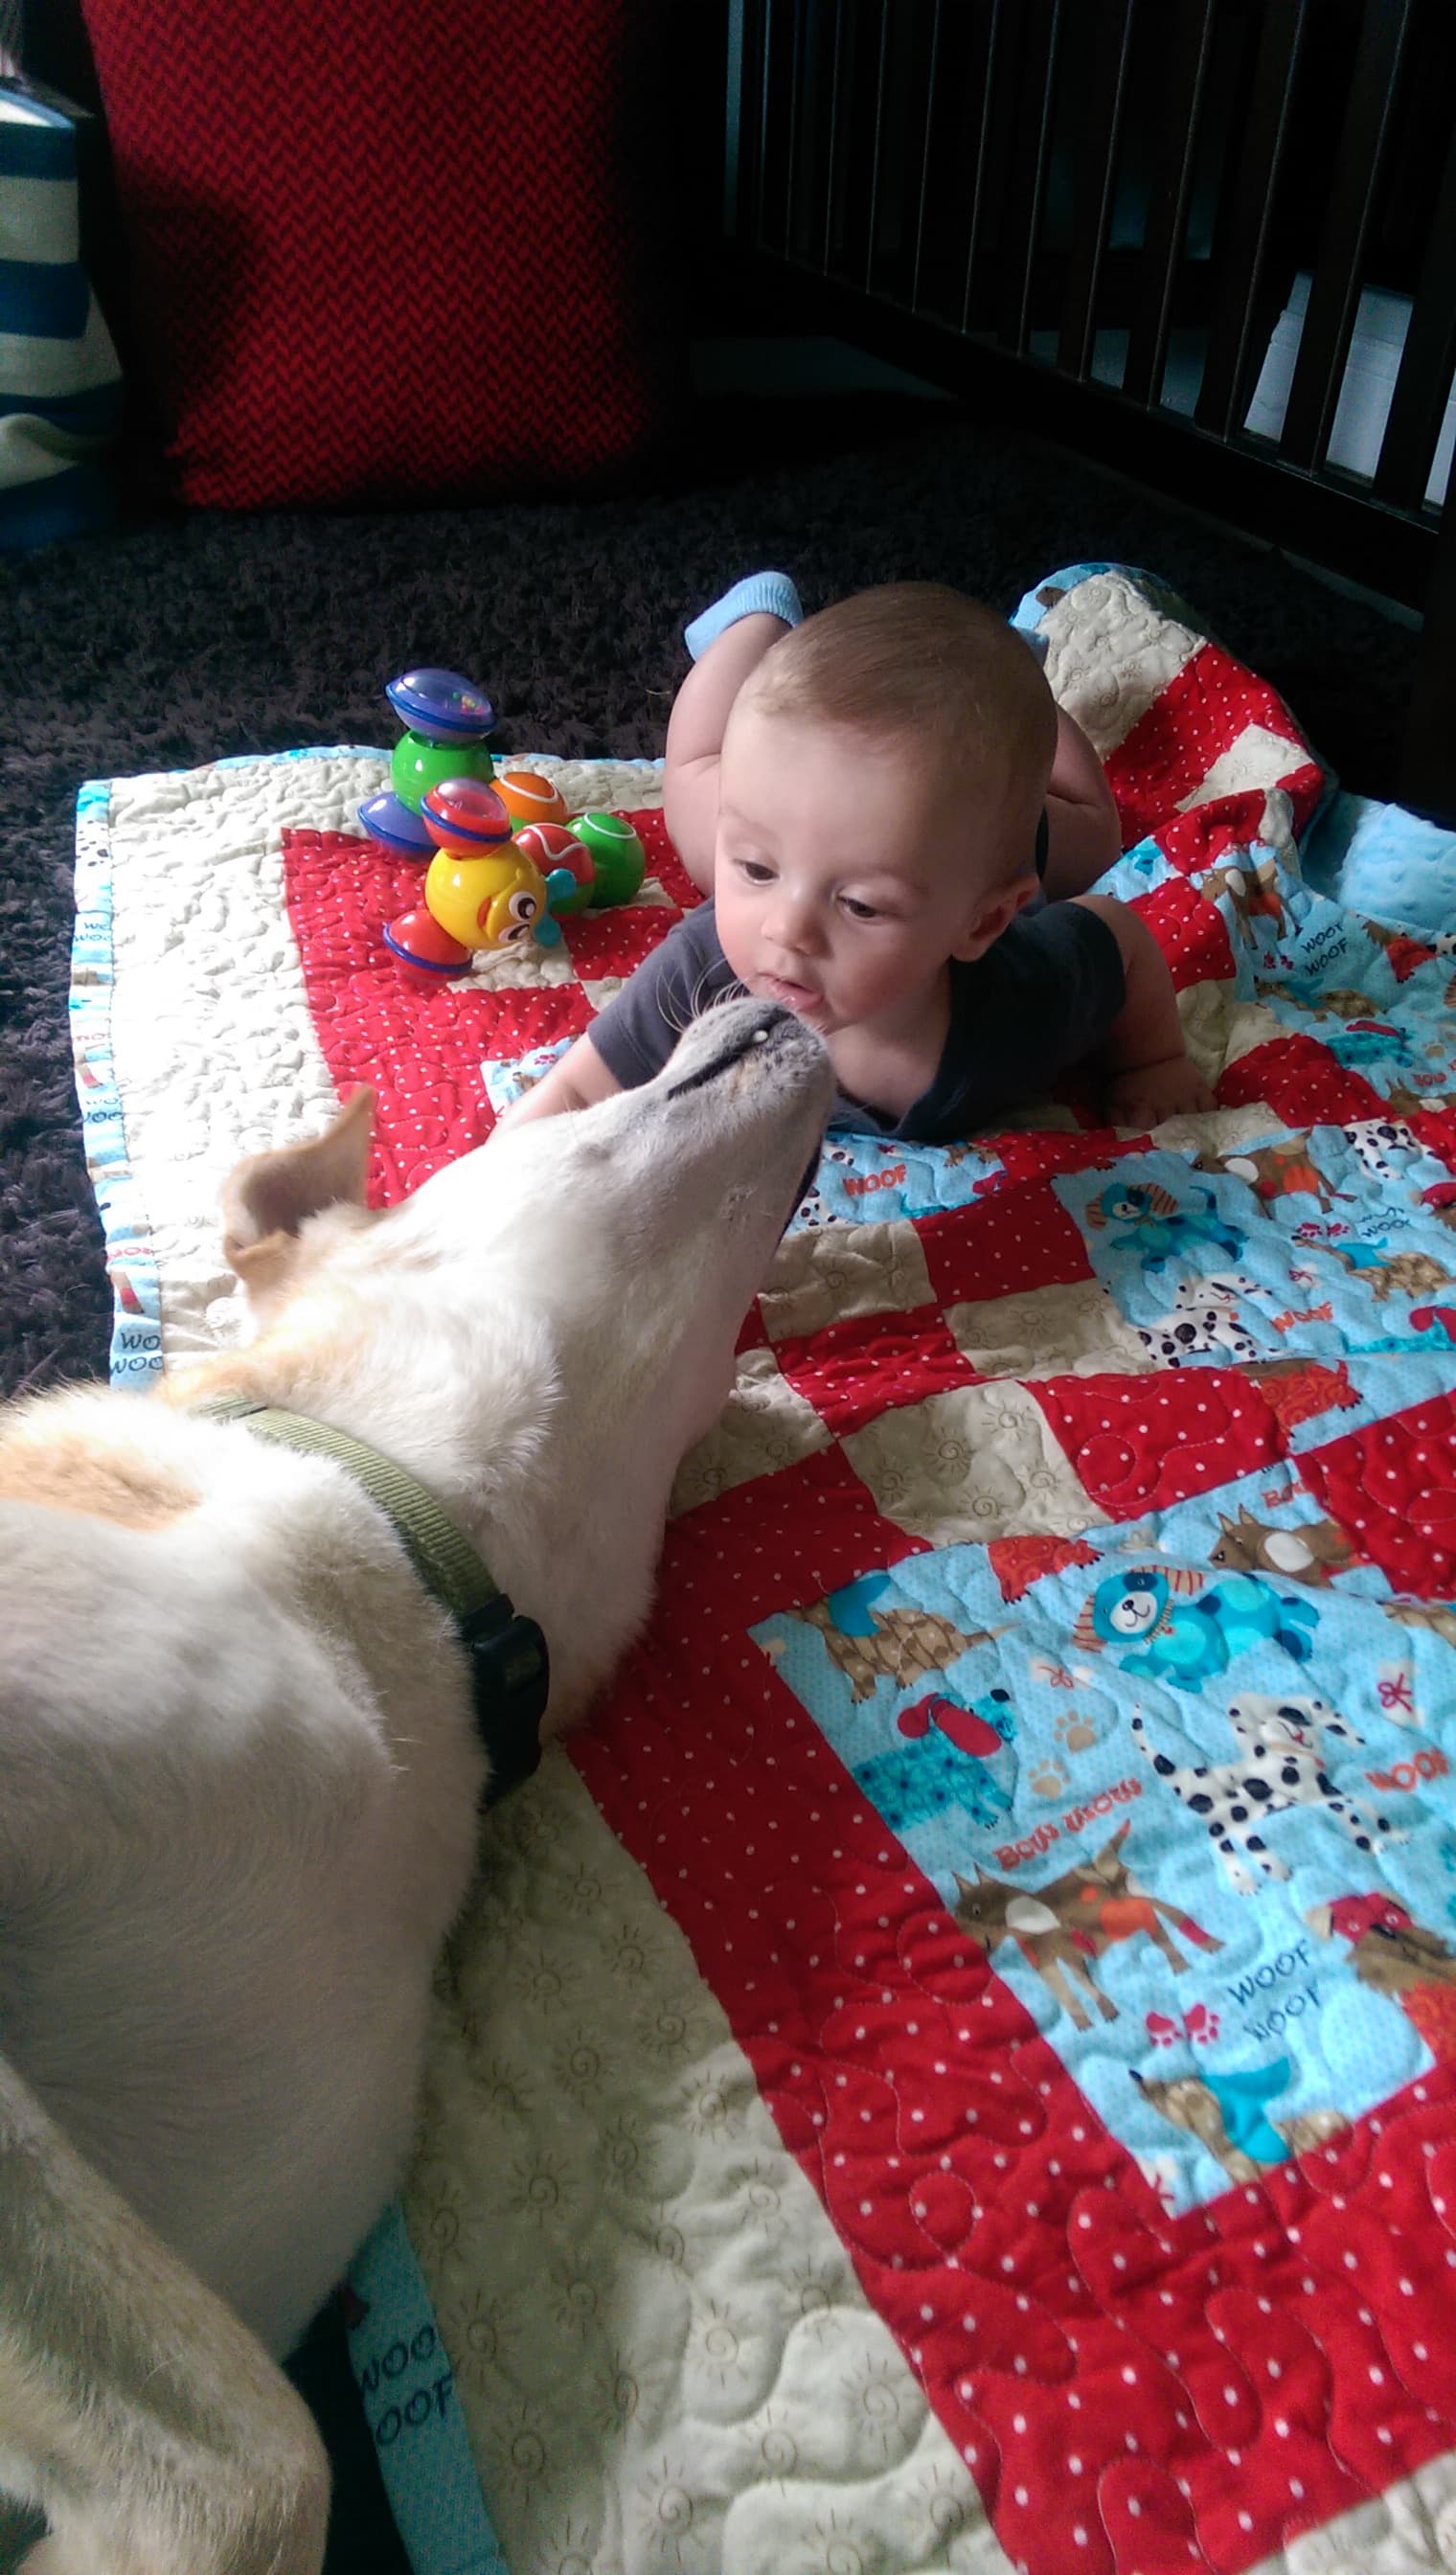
(509, 1078)
(1383, 862)
(1055, 1770)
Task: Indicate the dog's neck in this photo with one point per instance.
(554, 1477)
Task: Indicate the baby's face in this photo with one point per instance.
(843, 876)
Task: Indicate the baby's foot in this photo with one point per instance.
(771, 591)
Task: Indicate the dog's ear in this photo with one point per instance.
(270, 1196)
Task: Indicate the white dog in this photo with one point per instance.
(240, 1758)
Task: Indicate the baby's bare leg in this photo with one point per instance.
(695, 730)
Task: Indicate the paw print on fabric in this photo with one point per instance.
(1200, 2026)
(1050, 1778)
(1075, 1733)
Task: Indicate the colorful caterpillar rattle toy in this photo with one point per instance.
(505, 859)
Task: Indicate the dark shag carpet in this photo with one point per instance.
(176, 639)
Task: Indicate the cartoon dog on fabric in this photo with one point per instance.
(1229, 2114)
(1397, 1956)
(1186, 1628)
(1065, 1926)
(1158, 1227)
(1279, 1765)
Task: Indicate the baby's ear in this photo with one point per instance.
(994, 915)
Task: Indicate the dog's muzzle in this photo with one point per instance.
(749, 1034)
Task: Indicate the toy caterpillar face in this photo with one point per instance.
(1130, 1604)
(509, 917)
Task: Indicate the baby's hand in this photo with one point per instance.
(1144, 1095)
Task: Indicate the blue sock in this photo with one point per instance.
(773, 590)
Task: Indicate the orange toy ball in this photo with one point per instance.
(529, 798)
(550, 844)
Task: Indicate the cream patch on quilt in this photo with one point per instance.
(1218, 1027)
(662, 2352)
(1110, 655)
(767, 1424)
(207, 979)
(1047, 1331)
(822, 1278)
(1257, 756)
(976, 1463)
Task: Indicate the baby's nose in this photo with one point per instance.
(791, 921)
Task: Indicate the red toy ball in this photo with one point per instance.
(466, 817)
(550, 844)
(424, 952)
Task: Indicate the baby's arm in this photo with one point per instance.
(576, 1081)
(1151, 1074)
(1084, 834)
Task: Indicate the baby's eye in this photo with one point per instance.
(860, 911)
(755, 870)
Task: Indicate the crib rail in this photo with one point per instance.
(1113, 211)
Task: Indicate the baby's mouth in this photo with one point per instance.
(795, 996)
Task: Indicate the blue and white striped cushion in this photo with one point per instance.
(60, 384)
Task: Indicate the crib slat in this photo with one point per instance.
(876, 145)
(792, 140)
(986, 78)
(924, 191)
(1026, 68)
(1418, 404)
(1334, 294)
(835, 139)
(856, 90)
(1248, 205)
(1190, 39)
(1099, 121)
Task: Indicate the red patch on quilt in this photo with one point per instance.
(617, 941)
(1138, 1444)
(1194, 721)
(1393, 1485)
(1302, 1083)
(1191, 931)
(794, 1535)
(854, 1370)
(1014, 1239)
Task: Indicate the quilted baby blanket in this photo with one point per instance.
(956, 2068)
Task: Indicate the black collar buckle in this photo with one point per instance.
(509, 1684)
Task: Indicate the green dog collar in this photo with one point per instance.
(508, 1666)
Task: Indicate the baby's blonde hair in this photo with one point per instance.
(916, 664)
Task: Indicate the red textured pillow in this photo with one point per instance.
(382, 252)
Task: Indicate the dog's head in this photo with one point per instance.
(621, 1242)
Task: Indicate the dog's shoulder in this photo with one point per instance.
(107, 1456)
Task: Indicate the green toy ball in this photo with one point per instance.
(617, 854)
(419, 764)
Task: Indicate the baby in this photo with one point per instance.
(873, 796)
